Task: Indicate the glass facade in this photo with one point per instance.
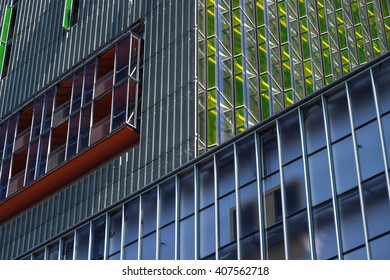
(310, 184)
(256, 57)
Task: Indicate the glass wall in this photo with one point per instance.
(312, 184)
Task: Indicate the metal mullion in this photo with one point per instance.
(236, 189)
(177, 207)
(307, 185)
(90, 241)
(139, 227)
(336, 211)
(196, 210)
(74, 245)
(259, 166)
(157, 253)
(216, 210)
(122, 231)
(286, 249)
(379, 119)
(363, 212)
(106, 235)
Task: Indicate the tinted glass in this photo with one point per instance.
(380, 248)
(228, 252)
(246, 161)
(186, 194)
(298, 237)
(131, 221)
(207, 232)
(227, 220)
(382, 85)
(275, 243)
(206, 183)
(358, 254)
(98, 234)
(339, 123)
(272, 200)
(386, 135)
(249, 209)
(53, 251)
(187, 239)
(250, 247)
(167, 202)
(148, 247)
(290, 137)
(167, 243)
(319, 177)
(294, 187)
(270, 153)
(115, 232)
(149, 211)
(82, 243)
(314, 128)
(130, 252)
(225, 169)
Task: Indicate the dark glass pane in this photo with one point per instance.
(376, 204)
(122, 59)
(4, 178)
(206, 184)
(225, 172)
(31, 164)
(227, 220)
(339, 123)
(275, 243)
(98, 234)
(148, 212)
(148, 247)
(294, 187)
(344, 165)
(186, 194)
(167, 202)
(119, 107)
(362, 99)
(115, 257)
(37, 118)
(42, 158)
(77, 90)
(369, 150)
(72, 138)
(250, 247)
(3, 130)
(84, 127)
(49, 97)
(207, 232)
(131, 221)
(89, 81)
(270, 152)
(11, 130)
(187, 239)
(40, 256)
(246, 161)
(380, 248)
(290, 137)
(115, 232)
(359, 254)
(167, 243)
(319, 177)
(249, 210)
(382, 85)
(314, 128)
(325, 232)
(298, 237)
(272, 200)
(82, 243)
(130, 252)
(351, 221)
(67, 248)
(228, 252)
(386, 135)
(53, 251)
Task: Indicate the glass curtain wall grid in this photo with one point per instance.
(256, 57)
(95, 102)
(7, 34)
(312, 184)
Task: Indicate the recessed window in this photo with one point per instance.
(71, 13)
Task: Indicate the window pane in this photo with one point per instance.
(246, 161)
(187, 239)
(294, 187)
(319, 177)
(53, 251)
(167, 243)
(369, 150)
(228, 252)
(67, 248)
(82, 243)
(130, 252)
(131, 221)
(344, 165)
(290, 137)
(227, 220)
(351, 221)
(40, 256)
(275, 243)
(376, 204)
(148, 247)
(225, 169)
(115, 232)
(386, 135)
(249, 210)
(98, 234)
(167, 202)
(207, 232)
(270, 152)
(272, 200)
(381, 78)
(362, 99)
(380, 248)
(148, 211)
(186, 194)
(298, 237)
(206, 183)
(359, 254)
(339, 123)
(325, 232)
(250, 247)
(314, 128)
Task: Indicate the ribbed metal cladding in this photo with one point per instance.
(43, 52)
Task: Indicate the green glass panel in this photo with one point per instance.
(371, 15)
(376, 46)
(212, 117)
(210, 18)
(211, 63)
(286, 67)
(288, 98)
(201, 17)
(385, 8)
(67, 13)
(2, 54)
(6, 22)
(338, 4)
(202, 117)
(340, 28)
(355, 12)
(235, 3)
(278, 102)
(239, 79)
(262, 50)
(346, 65)
(308, 77)
(260, 12)
(302, 8)
(237, 32)
(240, 120)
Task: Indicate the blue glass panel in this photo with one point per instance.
(298, 237)
(82, 243)
(294, 187)
(167, 202)
(381, 80)
(380, 248)
(186, 194)
(246, 161)
(319, 177)
(225, 171)
(167, 243)
(207, 232)
(359, 254)
(131, 221)
(149, 211)
(98, 234)
(130, 252)
(290, 137)
(250, 247)
(249, 210)
(187, 239)
(148, 247)
(339, 124)
(275, 243)
(227, 220)
(314, 128)
(206, 183)
(115, 232)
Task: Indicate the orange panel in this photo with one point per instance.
(56, 179)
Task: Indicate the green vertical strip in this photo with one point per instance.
(2, 54)
(6, 22)
(67, 13)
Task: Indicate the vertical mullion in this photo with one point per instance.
(177, 217)
(379, 119)
(122, 231)
(307, 185)
(90, 242)
(282, 189)
(238, 222)
(216, 212)
(157, 253)
(332, 180)
(139, 227)
(196, 210)
(358, 172)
